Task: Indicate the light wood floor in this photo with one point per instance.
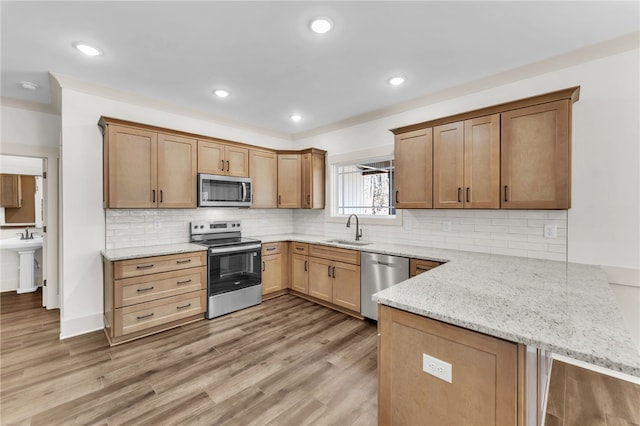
(284, 362)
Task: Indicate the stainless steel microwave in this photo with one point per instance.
(224, 191)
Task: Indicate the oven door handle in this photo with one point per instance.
(225, 250)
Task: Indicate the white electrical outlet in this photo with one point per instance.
(436, 367)
(446, 226)
(551, 231)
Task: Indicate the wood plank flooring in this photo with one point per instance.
(285, 362)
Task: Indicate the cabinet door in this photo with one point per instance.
(211, 158)
(271, 273)
(177, 171)
(448, 166)
(313, 181)
(346, 286)
(413, 169)
(289, 185)
(263, 170)
(131, 167)
(535, 162)
(10, 191)
(482, 162)
(236, 160)
(300, 273)
(320, 278)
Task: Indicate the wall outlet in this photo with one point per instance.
(551, 231)
(436, 367)
(446, 226)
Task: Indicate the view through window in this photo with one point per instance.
(365, 188)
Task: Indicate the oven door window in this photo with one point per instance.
(233, 271)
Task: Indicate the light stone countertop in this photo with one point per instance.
(565, 308)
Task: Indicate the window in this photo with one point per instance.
(364, 188)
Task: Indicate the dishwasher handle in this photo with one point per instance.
(383, 263)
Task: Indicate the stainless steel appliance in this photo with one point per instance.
(377, 272)
(234, 266)
(224, 191)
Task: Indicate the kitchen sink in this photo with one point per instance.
(349, 242)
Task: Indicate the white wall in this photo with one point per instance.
(83, 218)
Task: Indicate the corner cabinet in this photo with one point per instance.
(147, 169)
(313, 178)
(301, 179)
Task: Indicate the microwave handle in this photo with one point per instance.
(244, 191)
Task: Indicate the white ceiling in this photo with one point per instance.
(263, 52)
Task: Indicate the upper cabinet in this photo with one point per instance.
(301, 179)
(217, 158)
(313, 179)
(263, 170)
(413, 163)
(515, 155)
(466, 164)
(536, 160)
(146, 169)
(10, 191)
(289, 181)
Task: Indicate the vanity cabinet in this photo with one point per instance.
(263, 170)
(486, 374)
(274, 269)
(10, 191)
(219, 158)
(466, 164)
(147, 169)
(334, 276)
(413, 169)
(300, 267)
(151, 294)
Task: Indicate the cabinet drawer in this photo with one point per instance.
(270, 248)
(156, 286)
(418, 266)
(299, 248)
(152, 265)
(334, 253)
(142, 316)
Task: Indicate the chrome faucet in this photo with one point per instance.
(358, 230)
(26, 235)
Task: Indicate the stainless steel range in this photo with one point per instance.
(234, 267)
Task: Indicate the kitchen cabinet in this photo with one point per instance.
(274, 268)
(334, 276)
(218, 158)
(413, 169)
(146, 169)
(10, 191)
(483, 388)
(289, 182)
(313, 178)
(466, 163)
(535, 157)
(300, 267)
(418, 266)
(263, 170)
(151, 294)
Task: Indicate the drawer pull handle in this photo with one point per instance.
(145, 316)
(145, 266)
(183, 261)
(183, 306)
(423, 268)
(300, 248)
(183, 282)
(140, 290)
(271, 248)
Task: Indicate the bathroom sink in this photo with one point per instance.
(16, 244)
(349, 242)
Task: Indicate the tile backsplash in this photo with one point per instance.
(508, 232)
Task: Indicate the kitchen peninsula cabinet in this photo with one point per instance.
(334, 276)
(466, 164)
(413, 169)
(263, 170)
(146, 295)
(147, 169)
(10, 191)
(218, 158)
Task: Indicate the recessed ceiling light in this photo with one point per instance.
(87, 50)
(321, 25)
(28, 85)
(221, 93)
(296, 117)
(397, 81)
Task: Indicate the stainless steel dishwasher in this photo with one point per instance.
(377, 272)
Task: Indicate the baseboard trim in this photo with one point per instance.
(78, 326)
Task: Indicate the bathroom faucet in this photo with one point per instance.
(358, 230)
(26, 235)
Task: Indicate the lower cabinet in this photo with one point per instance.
(146, 295)
(483, 388)
(418, 266)
(334, 276)
(300, 267)
(274, 268)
